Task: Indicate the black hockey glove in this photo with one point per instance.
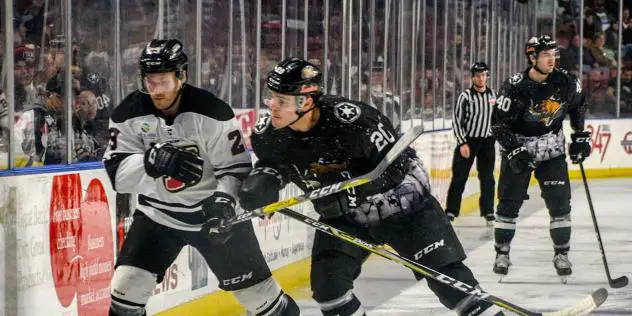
(217, 209)
(260, 188)
(519, 160)
(579, 149)
(164, 159)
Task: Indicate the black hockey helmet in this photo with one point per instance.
(295, 76)
(537, 44)
(163, 56)
(479, 67)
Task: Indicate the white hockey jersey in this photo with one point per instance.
(204, 124)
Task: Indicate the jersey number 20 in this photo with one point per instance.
(381, 137)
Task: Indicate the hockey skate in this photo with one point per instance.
(562, 266)
(501, 265)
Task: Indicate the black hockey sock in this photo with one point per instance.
(560, 229)
(482, 308)
(126, 313)
(504, 231)
(291, 309)
(351, 308)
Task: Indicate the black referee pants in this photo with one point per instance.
(483, 150)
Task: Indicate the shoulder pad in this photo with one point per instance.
(516, 78)
(262, 123)
(205, 103)
(347, 112)
(134, 105)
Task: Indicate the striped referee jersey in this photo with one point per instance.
(472, 115)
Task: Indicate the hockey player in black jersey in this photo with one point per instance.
(315, 140)
(180, 149)
(527, 123)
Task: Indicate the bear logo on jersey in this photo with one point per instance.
(262, 123)
(347, 112)
(172, 185)
(546, 111)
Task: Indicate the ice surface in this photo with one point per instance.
(386, 289)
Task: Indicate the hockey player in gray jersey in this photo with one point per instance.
(179, 148)
(527, 122)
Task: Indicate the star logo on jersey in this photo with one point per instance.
(516, 78)
(347, 112)
(262, 123)
(93, 77)
(172, 185)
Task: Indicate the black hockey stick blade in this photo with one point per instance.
(583, 307)
(618, 282)
(399, 147)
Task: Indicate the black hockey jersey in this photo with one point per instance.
(205, 125)
(531, 109)
(349, 139)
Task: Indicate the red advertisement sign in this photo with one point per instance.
(81, 245)
(600, 139)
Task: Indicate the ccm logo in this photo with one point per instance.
(325, 190)
(462, 286)
(429, 249)
(554, 182)
(237, 279)
(316, 224)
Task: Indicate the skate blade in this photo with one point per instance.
(564, 278)
(500, 278)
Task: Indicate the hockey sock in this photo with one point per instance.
(504, 231)
(347, 305)
(560, 229)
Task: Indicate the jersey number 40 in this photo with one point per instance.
(503, 103)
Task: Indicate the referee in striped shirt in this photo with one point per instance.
(471, 123)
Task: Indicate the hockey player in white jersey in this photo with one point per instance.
(180, 149)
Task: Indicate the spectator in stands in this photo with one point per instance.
(596, 96)
(24, 73)
(612, 36)
(33, 17)
(626, 92)
(86, 147)
(569, 57)
(599, 53)
(588, 58)
(38, 132)
(591, 23)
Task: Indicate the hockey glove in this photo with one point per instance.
(260, 188)
(217, 209)
(164, 159)
(579, 148)
(520, 160)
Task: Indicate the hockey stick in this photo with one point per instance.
(614, 283)
(399, 147)
(585, 306)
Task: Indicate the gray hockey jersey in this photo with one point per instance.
(204, 124)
